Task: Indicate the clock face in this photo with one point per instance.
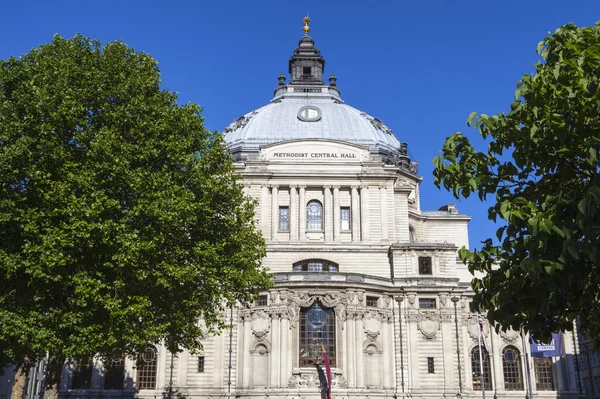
(309, 113)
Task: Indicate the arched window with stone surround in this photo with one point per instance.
(511, 367)
(146, 369)
(476, 370)
(544, 379)
(317, 331)
(314, 216)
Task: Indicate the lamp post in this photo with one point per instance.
(454, 300)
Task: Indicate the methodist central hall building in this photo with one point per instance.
(358, 267)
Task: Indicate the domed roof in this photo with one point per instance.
(307, 108)
(290, 119)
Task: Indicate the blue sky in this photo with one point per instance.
(420, 66)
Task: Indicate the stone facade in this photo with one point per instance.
(358, 267)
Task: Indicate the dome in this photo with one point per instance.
(307, 108)
(314, 116)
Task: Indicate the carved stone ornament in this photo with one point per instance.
(509, 336)
(336, 300)
(411, 298)
(260, 323)
(429, 324)
(309, 380)
(403, 181)
(377, 123)
(443, 299)
(473, 327)
(240, 122)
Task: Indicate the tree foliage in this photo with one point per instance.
(543, 168)
(122, 222)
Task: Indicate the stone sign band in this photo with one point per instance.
(332, 155)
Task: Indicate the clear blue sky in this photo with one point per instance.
(420, 66)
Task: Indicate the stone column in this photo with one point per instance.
(360, 368)
(388, 350)
(274, 212)
(246, 353)
(161, 364)
(283, 354)
(275, 351)
(336, 213)
(302, 213)
(293, 214)
(448, 350)
(413, 351)
(364, 212)
(384, 216)
(354, 214)
(327, 212)
(182, 368)
(264, 210)
(350, 367)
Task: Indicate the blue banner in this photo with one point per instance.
(552, 349)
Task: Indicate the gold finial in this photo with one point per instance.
(306, 28)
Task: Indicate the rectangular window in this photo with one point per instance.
(372, 301)
(306, 71)
(345, 218)
(430, 367)
(425, 265)
(201, 364)
(427, 303)
(261, 300)
(284, 218)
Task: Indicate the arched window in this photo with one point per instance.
(411, 234)
(544, 379)
(317, 327)
(476, 370)
(114, 373)
(146, 372)
(511, 366)
(315, 265)
(314, 215)
(82, 373)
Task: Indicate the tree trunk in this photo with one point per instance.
(20, 382)
(53, 375)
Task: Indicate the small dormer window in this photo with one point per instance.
(306, 71)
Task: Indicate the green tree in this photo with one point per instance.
(542, 166)
(122, 222)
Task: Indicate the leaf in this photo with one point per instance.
(471, 117)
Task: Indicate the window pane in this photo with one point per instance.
(284, 218)
(425, 265)
(372, 301)
(511, 366)
(201, 364)
(317, 326)
(345, 218)
(82, 374)
(476, 370)
(427, 303)
(430, 366)
(315, 265)
(314, 216)
(114, 374)
(543, 373)
(146, 372)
